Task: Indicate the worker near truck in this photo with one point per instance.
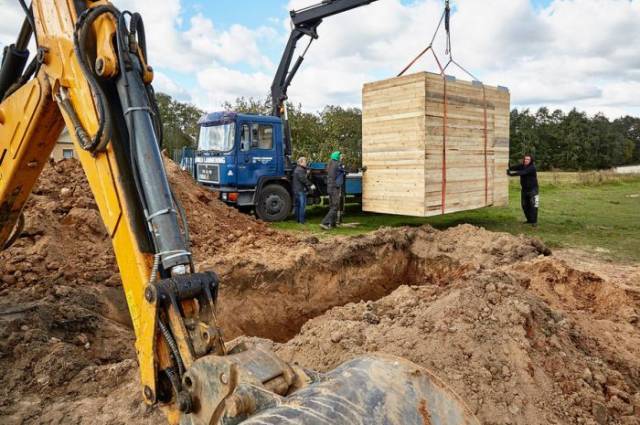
(301, 185)
(530, 192)
(335, 181)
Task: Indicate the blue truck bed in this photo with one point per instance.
(353, 182)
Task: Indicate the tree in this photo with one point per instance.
(574, 141)
(249, 105)
(343, 132)
(179, 122)
(630, 128)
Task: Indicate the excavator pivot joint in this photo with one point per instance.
(189, 286)
(148, 394)
(150, 294)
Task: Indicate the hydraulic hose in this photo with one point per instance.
(146, 161)
(13, 63)
(24, 36)
(80, 39)
(183, 217)
(171, 342)
(29, 14)
(14, 59)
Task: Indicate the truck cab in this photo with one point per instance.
(242, 157)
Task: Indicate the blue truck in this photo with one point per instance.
(247, 157)
(243, 157)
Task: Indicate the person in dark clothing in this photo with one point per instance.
(335, 181)
(301, 185)
(530, 194)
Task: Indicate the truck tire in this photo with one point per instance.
(274, 203)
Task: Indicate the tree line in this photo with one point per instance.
(557, 140)
(574, 141)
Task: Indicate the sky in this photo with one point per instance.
(555, 53)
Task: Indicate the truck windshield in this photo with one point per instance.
(217, 137)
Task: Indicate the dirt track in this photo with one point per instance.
(525, 338)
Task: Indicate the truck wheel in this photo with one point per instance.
(274, 203)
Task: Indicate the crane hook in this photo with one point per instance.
(447, 14)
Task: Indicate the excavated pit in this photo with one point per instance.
(523, 337)
(277, 297)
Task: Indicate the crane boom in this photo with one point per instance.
(305, 22)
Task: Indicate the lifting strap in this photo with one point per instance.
(445, 126)
(446, 18)
(486, 142)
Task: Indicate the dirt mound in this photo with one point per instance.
(515, 352)
(60, 349)
(562, 286)
(523, 337)
(65, 334)
(64, 240)
(215, 228)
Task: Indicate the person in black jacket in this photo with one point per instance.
(530, 194)
(335, 181)
(301, 185)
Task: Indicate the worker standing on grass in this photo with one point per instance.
(530, 195)
(335, 181)
(301, 185)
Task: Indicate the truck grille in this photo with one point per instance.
(209, 173)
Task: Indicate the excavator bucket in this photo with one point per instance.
(370, 390)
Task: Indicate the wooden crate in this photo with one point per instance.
(434, 146)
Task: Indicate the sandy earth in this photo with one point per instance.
(524, 336)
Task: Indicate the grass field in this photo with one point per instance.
(600, 215)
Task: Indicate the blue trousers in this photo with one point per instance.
(300, 206)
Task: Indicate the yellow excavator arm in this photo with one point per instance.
(90, 74)
(93, 79)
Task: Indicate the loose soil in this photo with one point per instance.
(523, 336)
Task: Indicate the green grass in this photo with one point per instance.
(603, 217)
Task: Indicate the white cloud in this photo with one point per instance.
(582, 53)
(11, 18)
(163, 84)
(201, 44)
(237, 45)
(206, 54)
(220, 84)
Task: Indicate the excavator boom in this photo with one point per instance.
(90, 74)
